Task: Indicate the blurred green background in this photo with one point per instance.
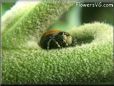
(6, 6)
(103, 14)
(76, 15)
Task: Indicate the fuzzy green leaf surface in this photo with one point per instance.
(87, 62)
(33, 24)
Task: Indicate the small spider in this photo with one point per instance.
(54, 39)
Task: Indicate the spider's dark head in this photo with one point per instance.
(66, 38)
(53, 39)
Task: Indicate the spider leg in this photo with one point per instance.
(52, 39)
(56, 43)
(64, 39)
(65, 42)
(48, 44)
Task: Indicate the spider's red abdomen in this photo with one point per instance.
(51, 32)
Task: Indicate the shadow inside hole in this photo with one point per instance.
(84, 40)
